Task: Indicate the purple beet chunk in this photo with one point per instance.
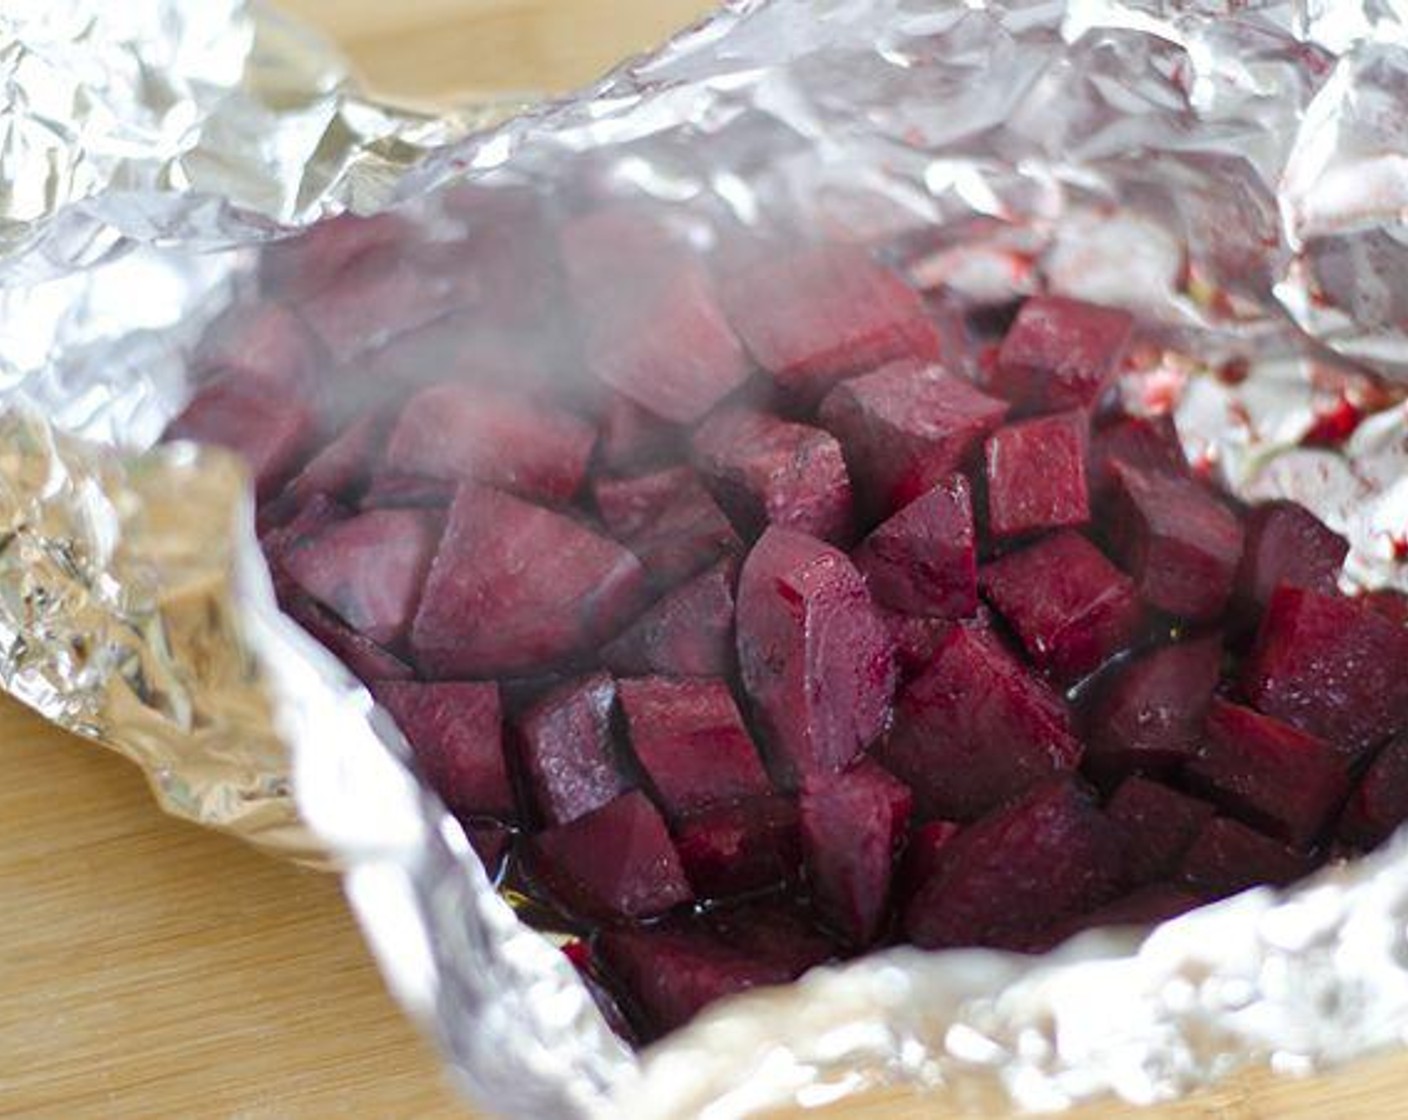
(1147, 443)
(615, 862)
(515, 587)
(343, 465)
(975, 729)
(815, 316)
(922, 855)
(1389, 603)
(688, 633)
(297, 267)
(1178, 541)
(490, 843)
(1380, 802)
(1148, 714)
(319, 513)
(366, 660)
(1330, 666)
(777, 927)
(1286, 543)
(568, 754)
(633, 437)
(1044, 857)
(388, 490)
(853, 825)
(907, 427)
(1279, 779)
(668, 520)
(1060, 353)
(691, 742)
(747, 846)
(263, 342)
(1071, 608)
(769, 471)
(916, 640)
(497, 438)
(814, 655)
(1228, 857)
(1035, 473)
(923, 560)
(649, 316)
(456, 734)
(1160, 824)
(1147, 906)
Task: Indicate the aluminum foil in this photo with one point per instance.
(1233, 172)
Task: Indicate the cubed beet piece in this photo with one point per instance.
(1147, 443)
(975, 729)
(633, 437)
(1228, 857)
(366, 660)
(1379, 804)
(515, 587)
(688, 633)
(497, 438)
(1178, 541)
(1060, 353)
(568, 753)
(649, 316)
(1286, 543)
(817, 315)
(615, 862)
(923, 560)
(1071, 608)
(668, 520)
(1046, 856)
(769, 471)
(368, 569)
(746, 846)
(1035, 473)
(921, 856)
(263, 342)
(691, 742)
(778, 927)
(1147, 715)
(1331, 667)
(1388, 602)
(490, 843)
(853, 826)
(343, 465)
(916, 640)
(814, 655)
(905, 428)
(297, 267)
(1147, 906)
(1160, 825)
(392, 490)
(319, 513)
(1279, 779)
(456, 734)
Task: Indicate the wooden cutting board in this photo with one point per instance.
(149, 969)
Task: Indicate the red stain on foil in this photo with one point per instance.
(1398, 545)
(1233, 371)
(1332, 426)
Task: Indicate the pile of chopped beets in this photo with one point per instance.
(751, 613)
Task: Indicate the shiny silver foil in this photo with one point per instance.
(1234, 172)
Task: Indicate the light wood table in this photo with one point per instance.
(152, 970)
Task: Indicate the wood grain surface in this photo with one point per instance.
(152, 970)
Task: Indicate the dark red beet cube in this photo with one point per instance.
(456, 734)
(1147, 443)
(691, 742)
(297, 267)
(319, 513)
(1071, 608)
(366, 660)
(388, 490)
(1060, 353)
(769, 471)
(1388, 602)
(907, 427)
(1281, 780)
(1331, 667)
(1286, 543)
(633, 437)
(923, 560)
(515, 587)
(975, 729)
(1148, 906)
(266, 343)
(668, 520)
(1228, 857)
(615, 862)
(490, 843)
(1160, 823)
(1046, 856)
(1035, 473)
(342, 465)
(814, 655)
(688, 633)
(777, 927)
(746, 846)
(568, 754)
(1380, 802)
(922, 854)
(916, 640)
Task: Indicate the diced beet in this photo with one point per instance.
(746, 846)
(297, 267)
(1049, 855)
(1147, 715)
(313, 516)
(921, 856)
(1160, 823)
(1228, 857)
(1147, 443)
(907, 427)
(768, 471)
(1147, 906)
(668, 520)
(975, 729)
(516, 587)
(264, 342)
(569, 757)
(1035, 473)
(1286, 543)
(813, 653)
(1071, 608)
(366, 660)
(1388, 602)
(853, 825)
(342, 465)
(923, 560)
(777, 927)
(1331, 667)
(388, 490)
(688, 633)
(1279, 779)
(691, 741)
(490, 843)
(815, 316)
(633, 437)
(1178, 541)
(649, 316)
(1060, 353)
(368, 569)
(1380, 802)
(916, 640)
(456, 734)
(494, 437)
(615, 862)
